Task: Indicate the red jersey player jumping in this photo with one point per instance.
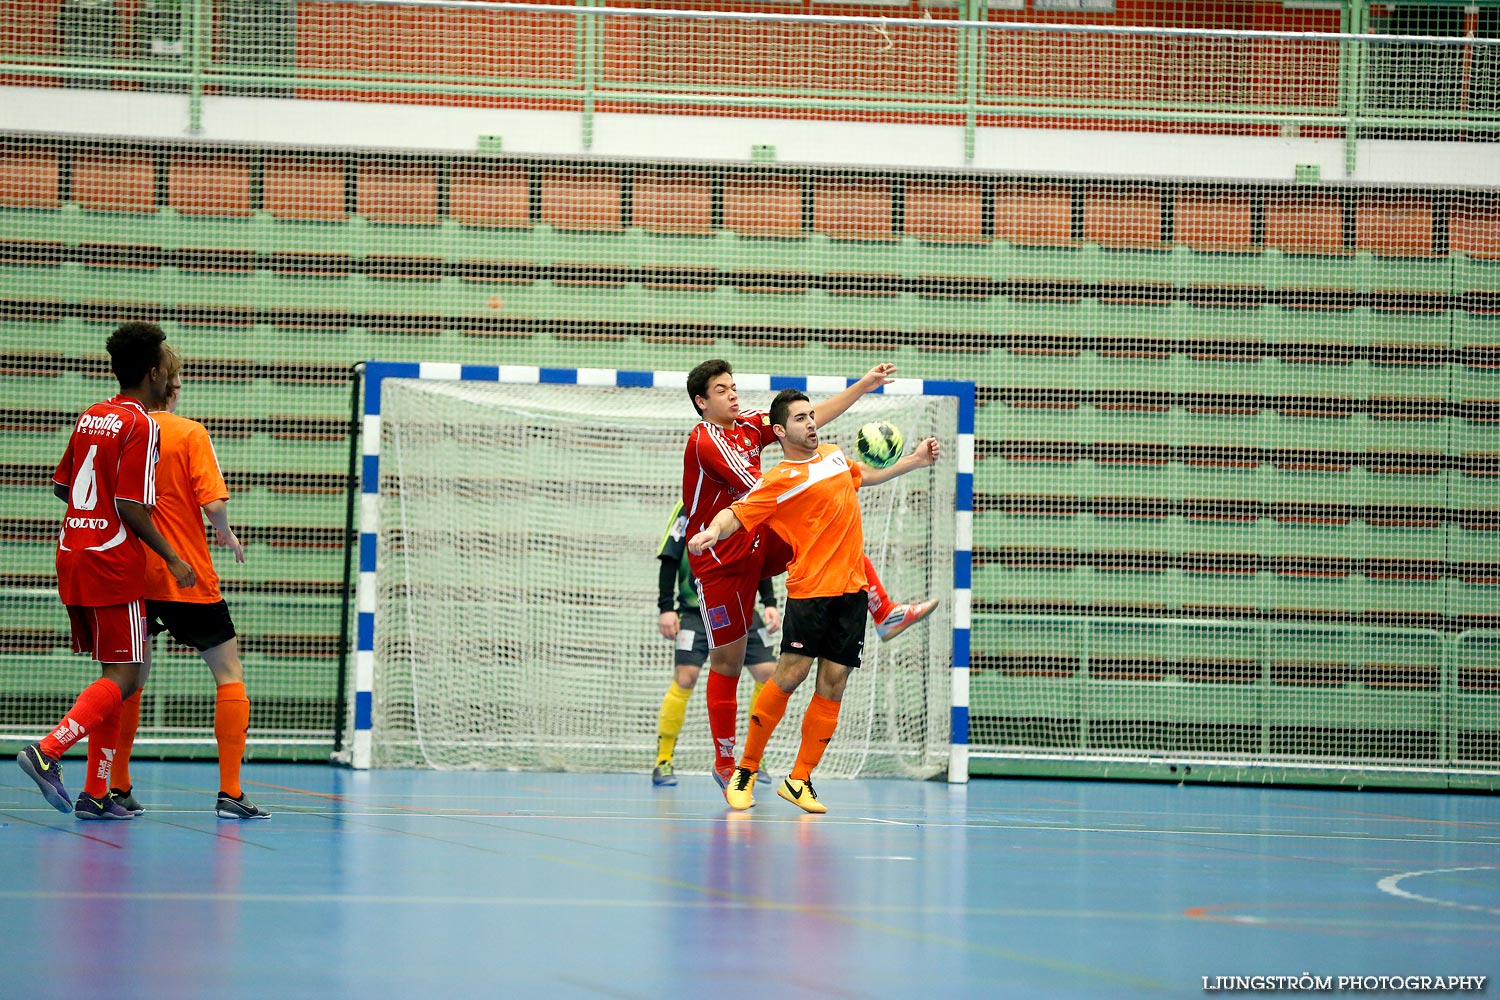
(107, 477)
(722, 464)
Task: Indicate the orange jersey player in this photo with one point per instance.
(189, 486)
(811, 500)
(720, 465)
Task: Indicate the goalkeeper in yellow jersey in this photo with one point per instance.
(680, 620)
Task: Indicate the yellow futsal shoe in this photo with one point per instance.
(740, 792)
(801, 795)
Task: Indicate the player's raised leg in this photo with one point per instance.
(892, 618)
(114, 635)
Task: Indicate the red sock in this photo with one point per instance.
(96, 701)
(880, 601)
(231, 721)
(765, 714)
(130, 721)
(818, 724)
(723, 711)
(103, 741)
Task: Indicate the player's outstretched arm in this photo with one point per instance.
(924, 454)
(721, 527)
(833, 407)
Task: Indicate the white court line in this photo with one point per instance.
(1392, 884)
(979, 826)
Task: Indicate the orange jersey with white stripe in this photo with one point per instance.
(814, 505)
(111, 456)
(187, 479)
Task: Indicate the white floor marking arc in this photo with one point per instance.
(1392, 884)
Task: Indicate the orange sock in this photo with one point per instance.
(818, 724)
(102, 742)
(880, 601)
(99, 699)
(231, 723)
(769, 707)
(130, 721)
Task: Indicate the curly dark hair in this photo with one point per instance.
(134, 349)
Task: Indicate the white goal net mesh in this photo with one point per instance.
(516, 624)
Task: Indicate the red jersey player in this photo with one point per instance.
(722, 464)
(107, 477)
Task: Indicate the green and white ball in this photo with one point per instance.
(879, 444)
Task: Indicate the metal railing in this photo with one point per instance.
(1445, 698)
(963, 70)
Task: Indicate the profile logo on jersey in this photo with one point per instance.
(108, 423)
(718, 617)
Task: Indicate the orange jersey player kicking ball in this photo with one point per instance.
(189, 486)
(107, 477)
(811, 500)
(719, 466)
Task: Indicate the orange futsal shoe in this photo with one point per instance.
(902, 617)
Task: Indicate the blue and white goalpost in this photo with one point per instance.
(509, 519)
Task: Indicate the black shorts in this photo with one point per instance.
(831, 628)
(202, 626)
(692, 640)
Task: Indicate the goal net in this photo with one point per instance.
(515, 623)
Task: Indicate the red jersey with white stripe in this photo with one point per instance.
(111, 456)
(718, 467)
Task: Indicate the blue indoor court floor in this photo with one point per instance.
(440, 884)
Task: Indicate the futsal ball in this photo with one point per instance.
(879, 444)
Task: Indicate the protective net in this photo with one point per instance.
(515, 620)
(1231, 297)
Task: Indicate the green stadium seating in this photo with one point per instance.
(1331, 332)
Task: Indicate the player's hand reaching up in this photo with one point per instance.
(882, 374)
